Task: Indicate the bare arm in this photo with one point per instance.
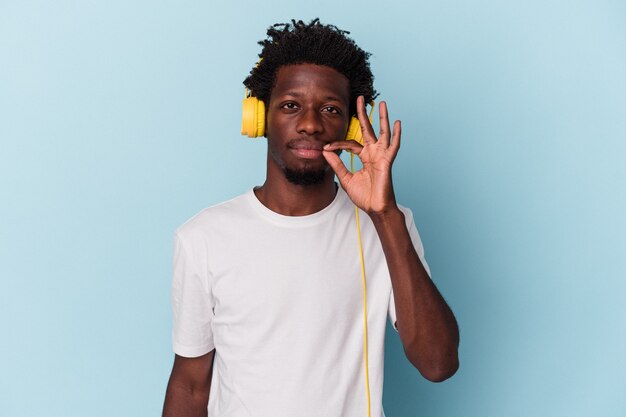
(188, 389)
(427, 327)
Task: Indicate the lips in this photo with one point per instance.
(306, 148)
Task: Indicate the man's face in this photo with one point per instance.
(308, 108)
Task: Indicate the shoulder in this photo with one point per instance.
(216, 216)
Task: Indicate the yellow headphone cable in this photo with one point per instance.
(364, 282)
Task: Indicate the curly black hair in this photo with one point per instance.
(312, 43)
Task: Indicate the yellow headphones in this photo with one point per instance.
(253, 120)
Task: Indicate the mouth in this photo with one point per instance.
(306, 148)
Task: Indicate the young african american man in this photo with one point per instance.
(267, 296)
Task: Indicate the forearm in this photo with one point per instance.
(427, 327)
(183, 401)
(189, 386)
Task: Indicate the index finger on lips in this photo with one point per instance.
(346, 145)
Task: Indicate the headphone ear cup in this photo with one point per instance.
(354, 131)
(253, 117)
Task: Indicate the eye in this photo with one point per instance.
(289, 106)
(331, 109)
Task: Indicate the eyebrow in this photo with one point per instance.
(297, 94)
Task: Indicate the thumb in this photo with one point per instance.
(343, 175)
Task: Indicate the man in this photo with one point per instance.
(267, 290)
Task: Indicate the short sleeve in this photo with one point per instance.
(419, 248)
(192, 304)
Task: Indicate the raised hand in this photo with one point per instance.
(370, 188)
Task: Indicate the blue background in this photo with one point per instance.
(119, 120)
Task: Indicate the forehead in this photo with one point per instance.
(311, 79)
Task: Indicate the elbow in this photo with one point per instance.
(440, 373)
(437, 369)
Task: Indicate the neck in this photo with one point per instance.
(288, 199)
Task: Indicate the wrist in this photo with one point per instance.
(388, 215)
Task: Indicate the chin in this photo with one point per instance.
(305, 176)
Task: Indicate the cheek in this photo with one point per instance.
(342, 126)
(272, 124)
(273, 152)
(272, 134)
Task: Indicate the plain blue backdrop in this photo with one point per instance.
(120, 119)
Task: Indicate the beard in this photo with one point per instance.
(305, 176)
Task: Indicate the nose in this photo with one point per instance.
(310, 122)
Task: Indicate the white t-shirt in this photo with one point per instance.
(280, 298)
